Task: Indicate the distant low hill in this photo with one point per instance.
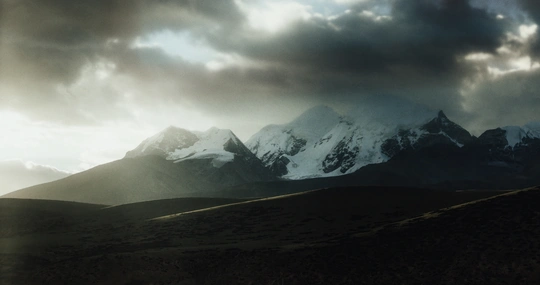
(16, 174)
(139, 179)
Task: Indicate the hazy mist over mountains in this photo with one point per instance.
(15, 174)
(385, 140)
(318, 143)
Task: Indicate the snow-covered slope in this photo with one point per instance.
(164, 142)
(217, 145)
(211, 145)
(322, 143)
(276, 144)
(516, 135)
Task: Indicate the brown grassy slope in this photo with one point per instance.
(494, 241)
(23, 216)
(257, 242)
(141, 211)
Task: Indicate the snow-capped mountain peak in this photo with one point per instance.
(439, 130)
(321, 143)
(534, 128)
(275, 144)
(315, 121)
(516, 134)
(176, 144)
(214, 144)
(164, 142)
(217, 136)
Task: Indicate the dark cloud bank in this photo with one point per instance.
(416, 51)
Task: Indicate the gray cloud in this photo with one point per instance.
(57, 37)
(414, 50)
(421, 34)
(514, 98)
(46, 45)
(414, 54)
(533, 10)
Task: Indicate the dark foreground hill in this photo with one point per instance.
(26, 216)
(492, 241)
(335, 236)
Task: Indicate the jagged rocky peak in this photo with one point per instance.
(511, 136)
(443, 126)
(164, 142)
(219, 136)
(227, 140)
(439, 130)
(510, 145)
(320, 142)
(493, 138)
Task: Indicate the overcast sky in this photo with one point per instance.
(82, 82)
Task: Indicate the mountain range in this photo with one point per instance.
(321, 143)
(389, 142)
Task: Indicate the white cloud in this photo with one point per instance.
(349, 1)
(522, 63)
(478, 56)
(274, 16)
(504, 49)
(374, 16)
(523, 33)
(527, 31)
(508, 58)
(515, 64)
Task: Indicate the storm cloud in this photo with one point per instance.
(97, 62)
